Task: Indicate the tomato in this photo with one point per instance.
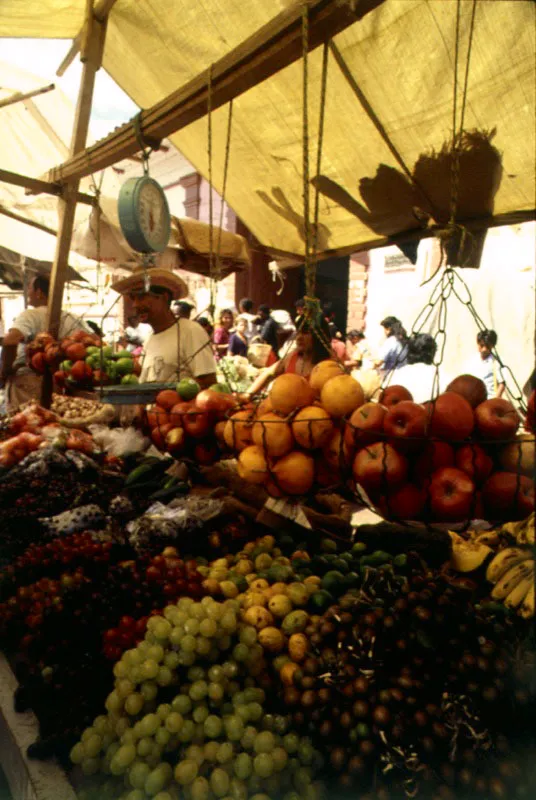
(153, 573)
(128, 623)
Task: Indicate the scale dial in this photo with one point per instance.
(144, 215)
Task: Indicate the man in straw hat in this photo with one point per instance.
(178, 348)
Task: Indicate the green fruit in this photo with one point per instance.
(351, 580)
(295, 622)
(129, 379)
(359, 548)
(124, 366)
(91, 351)
(328, 546)
(223, 388)
(333, 582)
(93, 361)
(320, 601)
(341, 565)
(123, 354)
(66, 366)
(107, 352)
(187, 389)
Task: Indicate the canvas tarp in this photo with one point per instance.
(401, 56)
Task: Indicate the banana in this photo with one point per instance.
(526, 609)
(526, 536)
(490, 538)
(518, 593)
(512, 577)
(503, 561)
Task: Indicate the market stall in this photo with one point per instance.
(315, 591)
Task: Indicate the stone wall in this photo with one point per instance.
(357, 291)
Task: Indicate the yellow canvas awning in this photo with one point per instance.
(389, 102)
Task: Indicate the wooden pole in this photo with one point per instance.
(18, 96)
(273, 47)
(67, 202)
(100, 13)
(36, 186)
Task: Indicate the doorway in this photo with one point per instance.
(332, 277)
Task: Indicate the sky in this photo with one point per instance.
(42, 57)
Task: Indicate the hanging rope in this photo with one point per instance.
(210, 199)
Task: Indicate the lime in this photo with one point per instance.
(123, 354)
(126, 379)
(124, 366)
(333, 582)
(187, 388)
(93, 361)
(66, 366)
(107, 352)
(223, 388)
(90, 351)
(320, 601)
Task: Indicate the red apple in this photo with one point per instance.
(365, 425)
(451, 495)
(507, 496)
(392, 395)
(158, 436)
(406, 422)
(206, 453)
(519, 456)
(473, 460)
(470, 387)
(403, 502)
(435, 455)
(196, 423)
(175, 441)
(176, 415)
(451, 417)
(209, 400)
(157, 416)
(379, 465)
(496, 419)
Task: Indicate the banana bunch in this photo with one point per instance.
(512, 569)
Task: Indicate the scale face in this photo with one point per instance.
(144, 215)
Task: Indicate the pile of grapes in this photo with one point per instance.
(62, 630)
(186, 718)
(413, 690)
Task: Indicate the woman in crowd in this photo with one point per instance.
(393, 352)
(418, 375)
(222, 333)
(313, 344)
(238, 343)
(337, 344)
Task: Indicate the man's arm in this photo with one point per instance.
(500, 389)
(12, 339)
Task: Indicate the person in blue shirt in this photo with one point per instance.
(394, 351)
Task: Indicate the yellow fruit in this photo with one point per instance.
(298, 594)
(272, 435)
(263, 562)
(243, 567)
(312, 427)
(298, 646)
(290, 392)
(271, 639)
(252, 465)
(293, 474)
(211, 586)
(322, 372)
(280, 605)
(229, 589)
(259, 617)
(342, 395)
(237, 431)
(287, 672)
(253, 598)
(278, 588)
(259, 584)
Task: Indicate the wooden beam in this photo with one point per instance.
(38, 186)
(12, 215)
(67, 201)
(18, 96)
(100, 12)
(272, 48)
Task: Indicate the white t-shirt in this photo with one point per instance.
(419, 380)
(33, 321)
(142, 331)
(161, 362)
(489, 371)
(251, 330)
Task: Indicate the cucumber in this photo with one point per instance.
(145, 471)
(172, 491)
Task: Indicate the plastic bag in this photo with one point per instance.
(119, 442)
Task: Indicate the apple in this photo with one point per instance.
(450, 417)
(379, 465)
(403, 502)
(452, 495)
(471, 388)
(406, 422)
(209, 400)
(175, 441)
(392, 395)
(206, 453)
(435, 455)
(518, 456)
(337, 452)
(158, 436)
(530, 424)
(196, 423)
(157, 416)
(176, 414)
(365, 425)
(475, 462)
(496, 419)
(507, 496)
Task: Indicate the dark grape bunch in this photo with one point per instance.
(414, 696)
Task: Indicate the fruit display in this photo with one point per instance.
(455, 458)
(80, 412)
(188, 422)
(81, 361)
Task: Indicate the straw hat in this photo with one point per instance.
(159, 277)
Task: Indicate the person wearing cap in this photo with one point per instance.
(177, 348)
